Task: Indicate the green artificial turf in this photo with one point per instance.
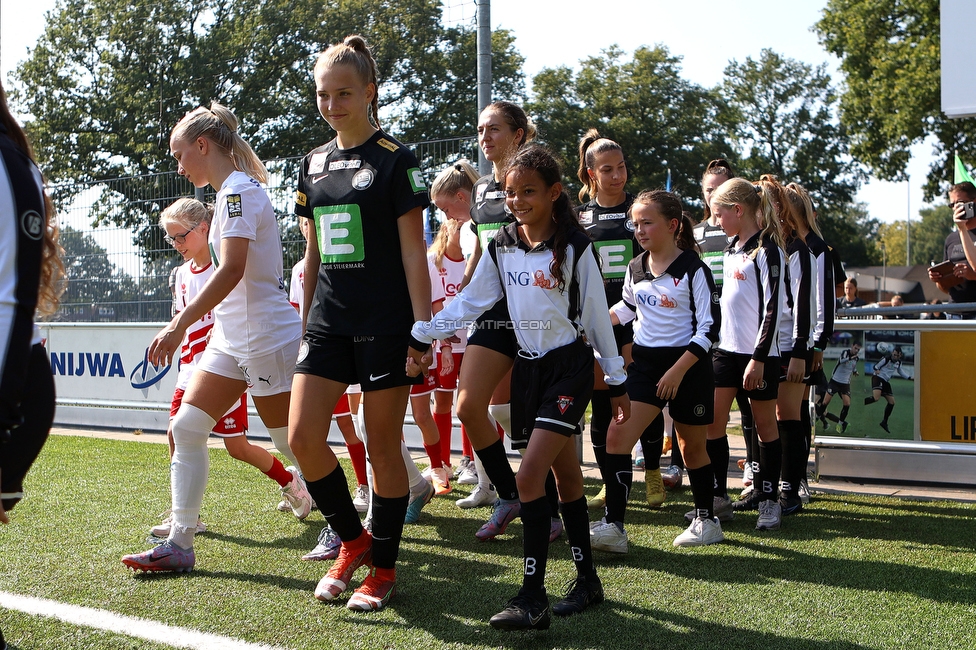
(849, 572)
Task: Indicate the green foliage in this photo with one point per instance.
(852, 233)
(928, 234)
(659, 119)
(890, 52)
(782, 116)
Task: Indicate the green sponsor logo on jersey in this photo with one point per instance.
(486, 232)
(715, 262)
(614, 256)
(339, 229)
(416, 180)
(213, 256)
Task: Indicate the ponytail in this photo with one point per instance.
(803, 207)
(590, 147)
(219, 125)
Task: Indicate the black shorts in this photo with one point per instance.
(877, 383)
(834, 388)
(730, 369)
(623, 335)
(374, 362)
(551, 392)
(494, 330)
(784, 365)
(695, 402)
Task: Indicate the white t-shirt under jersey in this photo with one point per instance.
(255, 318)
(448, 281)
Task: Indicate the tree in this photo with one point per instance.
(93, 281)
(890, 53)
(659, 119)
(782, 113)
(109, 78)
(853, 234)
(928, 232)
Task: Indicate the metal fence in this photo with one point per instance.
(118, 263)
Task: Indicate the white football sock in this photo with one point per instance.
(188, 470)
(279, 436)
(502, 414)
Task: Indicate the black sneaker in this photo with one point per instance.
(790, 505)
(582, 593)
(751, 502)
(884, 425)
(523, 613)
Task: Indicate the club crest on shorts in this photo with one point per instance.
(699, 410)
(564, 402)
(302, 351)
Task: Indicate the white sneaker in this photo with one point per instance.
(770, 515)
(283, 506)
(480, 496)
(426, 474)
(468, 474)
(701, 532)
(608, 537)
(361, 500)
(296, 494)
(804, 491)
(162, 529)
(747, 475)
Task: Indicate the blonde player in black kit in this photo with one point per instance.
(603, 172)
(366, 282)
(748, 352)
(544, 264)
(670, 293)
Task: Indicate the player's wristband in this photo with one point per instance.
(617, 390)
(817, 349)
(418, 345)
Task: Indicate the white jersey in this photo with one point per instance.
(449, 279)
(189, 282)
(751, 295)
(678, 309)
(845, 367)
(799, 300)
(296, 290)
(887, 367)
(544, 316)
(255, 318)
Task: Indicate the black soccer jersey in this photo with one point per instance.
(612, 234)
(489, 212)
(712, 241)
(355, 196)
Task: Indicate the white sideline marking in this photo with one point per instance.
(129, 625)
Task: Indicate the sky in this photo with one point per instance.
(706, 36)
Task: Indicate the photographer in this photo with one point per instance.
(960, 282)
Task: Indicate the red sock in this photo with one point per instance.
(357, 454)
(386, 575)
(466, 448)
(278, 473)
(444, 427)
(434, 453)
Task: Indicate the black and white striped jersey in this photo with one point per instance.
(798, 320)
(22, 228)
(544, 316)
(887, 367)
(679, 308)
(846, 365)
(826, 300)
(751, 295)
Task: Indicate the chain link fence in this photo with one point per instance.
(118, 264)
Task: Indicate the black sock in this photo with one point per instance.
(599, 423)
(794, 455)
(770, 464)
(331, 493)
(702, 481)
(577, 522)
(718, 454)
(748, 426)
(652, 442)
(535, 547)
(870, 400)
(843, 413)
(388, 517)
(621, 476)
(676, 458)
(888, 409)
(552, 496)
(498, 470)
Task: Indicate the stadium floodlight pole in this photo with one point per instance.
(484, 70)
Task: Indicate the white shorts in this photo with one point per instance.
(267, 375)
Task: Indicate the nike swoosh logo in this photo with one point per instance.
(534, 620)
(318, 178)
(377, 378)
